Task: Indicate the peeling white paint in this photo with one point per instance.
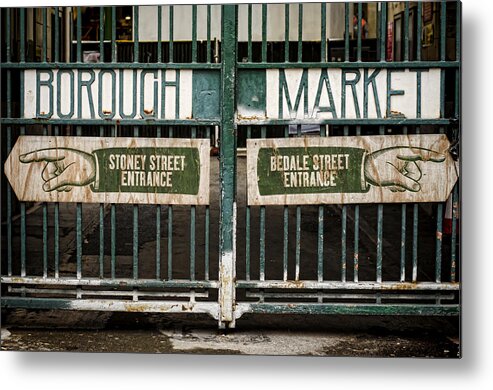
(5, 334)
(226, 291)
(252, 343)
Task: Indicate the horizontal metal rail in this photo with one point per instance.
(111, 122)
(350, 65)
(344, 296)
(211, 308)
(336, 285)
(96, 282)
(344, 121)
(347, 308)
(135, 294)
(108, 65)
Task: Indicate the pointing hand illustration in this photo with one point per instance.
(398, 167)
(64, 167)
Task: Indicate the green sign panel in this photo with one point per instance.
(306, 170)
(148, 170)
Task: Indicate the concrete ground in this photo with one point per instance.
(255, 335)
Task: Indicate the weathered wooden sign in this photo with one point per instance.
(363, 169)
(335, 93)
(121, 94)
(110, 170)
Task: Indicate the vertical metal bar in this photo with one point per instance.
(101, 34)
(101, 226)
(45, 35)
(79, 34)
(286, 32)
(79, 239)
(443, 21)
(113, 240)
(323, 33)
(356, 244)
(419, 27)
(438, 251)
(439, 230)
(286, 227)
(57, 35)
(101, 134)
(207, 226)
(22, 43)
(344, 231)
(192, 227)
(360, 32)
(208, 59)
(194, 33)
(227, 166)
(403, 232)
(171, 23)
(383, 26)
(113, 229)
(320, 244)
(113, 35)
(264, 32)
(135, 31)
(79, 133)
(416, 207)
(57, 225)
(159, 34)
(9, 140)
(383, 23)
(285, 243)
(170, 228)
(300, 32)
(248, 227)
(453, 242)
(406, 31)
(8, 52)
(379, 243)
(158, 224)
(346, 32)
(298, 243)
(135, 257)
(79, 215)
(403, 242)
(356, 232)
(380, 231)
(343, 243)
(250, 33)
(45, 223)
(262, 225)
(458, 26)
(22, 25)
(455, 194)
(415, 242)
(298, 229)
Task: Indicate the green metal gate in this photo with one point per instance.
(228, 259)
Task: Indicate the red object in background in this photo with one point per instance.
(390, 41)
(449, 212)
(427, 11)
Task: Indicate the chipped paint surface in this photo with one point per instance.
(210, 308)
(226, 291)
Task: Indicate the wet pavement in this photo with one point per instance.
(375, 336)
